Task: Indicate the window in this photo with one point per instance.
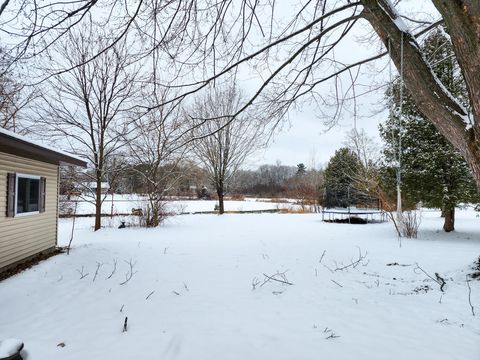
(26, 195)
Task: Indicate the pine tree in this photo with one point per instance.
(301, 169)
(432, 171)
(340, 176)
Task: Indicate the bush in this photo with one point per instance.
(410, 222)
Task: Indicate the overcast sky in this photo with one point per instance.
(306, 139)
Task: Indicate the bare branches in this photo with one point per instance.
(439, 280)
(274, 277)
(90, 106)
(353, 263)
(99, 265)
(129, 274)
(279, 277)
(221, 143)
(255, 283)
(82, 272)
(113, 270)
(332, 334)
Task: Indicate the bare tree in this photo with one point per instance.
(90, 106)
(220, 144)
(157, 156)
(367, 151)
(209, 39)
(14, 97)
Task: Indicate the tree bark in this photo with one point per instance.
(98, 203)
(431, 98)
(449, 224)
(221, 208)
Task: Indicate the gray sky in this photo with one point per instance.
(305, 138)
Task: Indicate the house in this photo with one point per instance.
(29, 177)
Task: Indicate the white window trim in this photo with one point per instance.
(28, 176)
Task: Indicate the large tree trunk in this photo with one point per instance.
(98, 204)
(449, 224)
(221, 208)
(432, 99)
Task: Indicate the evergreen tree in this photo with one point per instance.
(301, 169)
(432, 171)
(340, 176)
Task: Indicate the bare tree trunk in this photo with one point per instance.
(431, 97)
(98, 203)
(221, 207)
(155, 221)
(449, 224)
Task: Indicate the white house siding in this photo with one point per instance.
(24, 236)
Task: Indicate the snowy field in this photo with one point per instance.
(123, 204)
(191, 294)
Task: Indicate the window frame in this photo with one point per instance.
(28, 176)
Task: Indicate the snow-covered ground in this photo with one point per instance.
(191, 294)
(123, 204)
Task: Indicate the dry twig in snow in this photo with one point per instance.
(353, 263)
(129, 274)
(470, 295)
(114, 269)
(81, 272)
(99, 265)
(440, 281)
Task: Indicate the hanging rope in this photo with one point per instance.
(397, 138)
(392, 102)
(399, 150)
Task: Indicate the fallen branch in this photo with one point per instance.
(417, 267)
(255, 282)
(114, 269)
(82, 274)
(469, 295)
(149, 295)
(125, 325)
(272, 277)
(329, 269)
(332, 335)
(99, 265)
(321, 257)
(440, 280)
(336, 283)
(353, 264)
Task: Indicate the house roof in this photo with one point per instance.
(12, 143)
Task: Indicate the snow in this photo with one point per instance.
(397, 19)
(197, 272)
(123, 204)
(9, 347)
